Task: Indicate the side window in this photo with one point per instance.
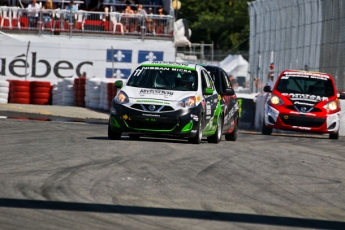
(209, 81)
(227, 82)
(204, 83)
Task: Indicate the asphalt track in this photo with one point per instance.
(61, 172)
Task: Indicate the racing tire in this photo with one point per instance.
(113, 135)
(134, 136)
(217, 136)
(334, 136)
(232, 136)
(198, 136)
(266, 130)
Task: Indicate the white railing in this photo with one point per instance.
(112, 23)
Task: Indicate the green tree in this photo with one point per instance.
(224, 22)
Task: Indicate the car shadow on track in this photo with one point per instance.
(174, 213)
(299, 135)
(149, 139)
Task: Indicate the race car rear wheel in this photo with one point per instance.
(334, 136)
(217, 136)
(198, 136)
(266, 130)
(113, 135)
(232, 136)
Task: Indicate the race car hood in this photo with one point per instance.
(157, 94)
(305, 99)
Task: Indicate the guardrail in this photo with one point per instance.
(87, 22)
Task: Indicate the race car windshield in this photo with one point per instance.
(306, 85)
(164, 78)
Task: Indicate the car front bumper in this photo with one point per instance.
(320, 122)
(182, 122)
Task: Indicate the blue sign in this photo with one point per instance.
(118, 73)
(119, 55)
(150, 56)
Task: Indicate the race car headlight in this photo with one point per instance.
(275, 100)
(122, 98)
(187, 102)
(332, 105)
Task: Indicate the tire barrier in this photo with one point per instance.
(40, 93)
(92, 93)
(4, 90)
(67, 92)
(57, 93)
(79, 92)
(19, 92)
(104, 96)
(111, 92)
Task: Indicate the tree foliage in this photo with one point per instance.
(223, 22)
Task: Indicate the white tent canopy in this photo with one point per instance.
(235, 65)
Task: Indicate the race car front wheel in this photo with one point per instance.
(198, 136)
(113, 135)
(334, 136)
(217, 136)
(266, 130)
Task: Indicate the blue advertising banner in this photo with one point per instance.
(150, 56)
(119, 55)
(118, 73)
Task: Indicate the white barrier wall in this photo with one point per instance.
(54, 58)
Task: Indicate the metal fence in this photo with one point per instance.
(297, 34)
(56, 21)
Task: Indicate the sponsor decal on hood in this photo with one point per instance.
(304, 97)
(156, 94)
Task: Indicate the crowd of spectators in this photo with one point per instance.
(145, 8)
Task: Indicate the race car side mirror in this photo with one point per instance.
(208, 91)
(342, 96)
(229, 92)
(267, 89)
(118, 84)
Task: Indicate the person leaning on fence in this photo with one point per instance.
(70, 17)
(161, 21)
(47, 14)
(33, 10)
(149, 21)
(142, 15)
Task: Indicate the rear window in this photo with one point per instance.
(164, 78)
(320, 86)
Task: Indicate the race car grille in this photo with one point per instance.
(156, 108)
(301, 120)
(137, 124)
(300, 109)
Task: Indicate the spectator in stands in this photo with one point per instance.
(142, 15)
(128, 19)
(47, 9)
(161, 21)
(83, 75)
(128, 9)
(33, 10)
(149, 21)
(70, 17)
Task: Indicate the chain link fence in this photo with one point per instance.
(297, 34)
